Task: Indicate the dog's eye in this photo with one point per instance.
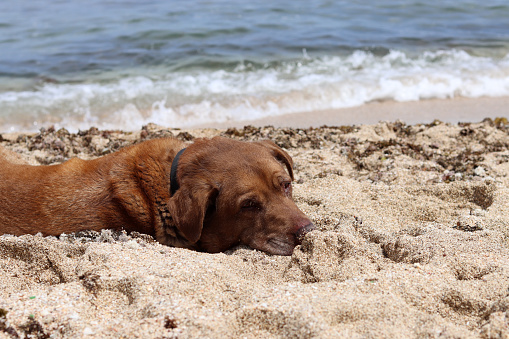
(249, 205)
(287, 186)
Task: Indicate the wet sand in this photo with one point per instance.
(414, 112)
(412, 242)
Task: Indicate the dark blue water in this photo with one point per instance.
(80, 62)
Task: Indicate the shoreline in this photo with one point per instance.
(415, 112)
(425, 111)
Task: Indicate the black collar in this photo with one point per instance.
(174, 184)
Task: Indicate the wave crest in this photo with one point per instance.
(250, 91)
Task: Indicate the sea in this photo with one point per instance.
(120, 64)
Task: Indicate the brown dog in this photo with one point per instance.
(220, 193)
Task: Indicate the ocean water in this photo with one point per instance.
(119, 64)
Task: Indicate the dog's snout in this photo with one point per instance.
(301, 232)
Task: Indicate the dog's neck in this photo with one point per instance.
(169, 234)
(174, 184)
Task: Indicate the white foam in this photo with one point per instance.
(183, 99)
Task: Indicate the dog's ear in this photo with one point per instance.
(188, 208)
(280, 155)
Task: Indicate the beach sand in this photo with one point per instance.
(412, 112)
(412, 242)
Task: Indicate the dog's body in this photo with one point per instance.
(230, 192)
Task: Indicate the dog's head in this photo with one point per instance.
(234, 192)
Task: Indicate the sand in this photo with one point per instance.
(412, 242)
(412, 112)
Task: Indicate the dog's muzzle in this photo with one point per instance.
(299, 235)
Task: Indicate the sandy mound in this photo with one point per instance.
(412, 243)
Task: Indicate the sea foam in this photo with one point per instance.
(252, 91)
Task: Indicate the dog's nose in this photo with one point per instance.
(301, 232)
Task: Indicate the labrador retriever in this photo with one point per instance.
(208, 196)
